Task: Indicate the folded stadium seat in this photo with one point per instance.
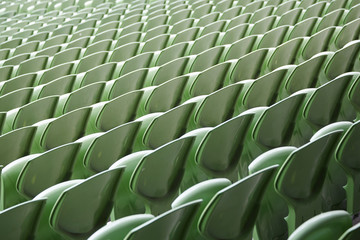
(65, 205)
(182, 25)
(108, 26)
(156, 31)
(347, 34)
(272, 38)
(107, 115)
(81, 42)
(82, 33)
(353, 94)
(326, 225)
(18, 222)
(205, 59)
(264, 91)
(315, 10)
(55, 40)
(130, 20)
(283, 6)
(252, 6)
(234, 34)
(124, 84)
(352, 14)
(335, 5)
(16, 83)
(217, 26)
(317, 43)
(175, 222)
(93, 157)
(285, 54)
(28, 47)
(66, 56)
(101, 73)
(270, 222)
(207, 19)
(157, 43)
(130, 38)
(222, 6)
(49, 28)
(50, 51)
(5, 54)
(71, 125)
(132, 28)
(134, 12)
(91, 61)
(171, 53)
(23, 34)
(201, 10)
(142, 60)
(106, 35)
(224, 206)
(344, 155)
(304, 201)
(179, 13)
(159, 131)
(186, 35)
(53, 73)
(218, 106)
(235, 12)
(305, 75)
(151, 13)
(243, 71)
(262, 13)
(90, 23)
(134, 195)
(170, 70)
(156, 21)
(15, 99)
(79, 98)
(30, 113)
(207, 81)
(330, 19)
(303, 28)
(291, 17)
(13, 43)
(342, 61)
(241, 47)
(262, 26)
(163, 97)
(333, 94)
(16, 60)
(270, 129)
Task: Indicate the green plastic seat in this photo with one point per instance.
(26, 48)
(16, 60)
(226, 213)
(331, 19)
(124, 52)
(330, 225)
(55, 40)
(16, 83)
(30, 114)
(102, 73)
(164, 165)
(315, 10)
(104, 45)
(273, 38)
(50, 51)
(111, 25)
(55, 73)
(132, 28)
(262, 13)
(156, 43)
(351, 234)
(304, 200)
(186, 35)
(241, 47)
(283, 7)
(168, 71)
(172, 52)
(18, 222)
(291, 17)
(155, 21)
(91, 61)
(335, 5)
(32, 65)
(237, 20)
(206, 59)
(139, 61)
(82, 97)
(303, 28)
(317, 43)
(344, 156)
(217, 26)
(156, 31)
(352, 15)
(45, 170)
(270, 222)
(262, 26)
(346, 35)
(70, 125)
(58, 86)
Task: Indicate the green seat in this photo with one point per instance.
(26, 48)
(262, 13)
(55, 40)
(55, 73)
(124, 52)
(315, 10)
(186, 35)
(270, 223)
(82, 33)
(30, 114)
(16, 60)
(217, 26)
(157, 43)
(273, 38)
(344, 156)
(132, 28)
(236, 20)
(104, 45)
(155, 21)
(352, 15)
(331, 19)
(226, 215)
(180, 19)
(91, 61)
(19, 222)
(128, 38)
(81, 42)
(45, 170)
(82, 97)
(50, 51)
(139, 61)
(241, 47)
(172, 52)
(304, 200)
(330, 225)
(317, 43)
(206, 59)
(164, 166)
(32, 65)
(351, 234)
(291, 17)
(70, 125)
(16, 83)
(156, 31)
(346, 35)
(102, 73)
(303, 28)
(58, 86)
(97, 152)
(333, 6)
